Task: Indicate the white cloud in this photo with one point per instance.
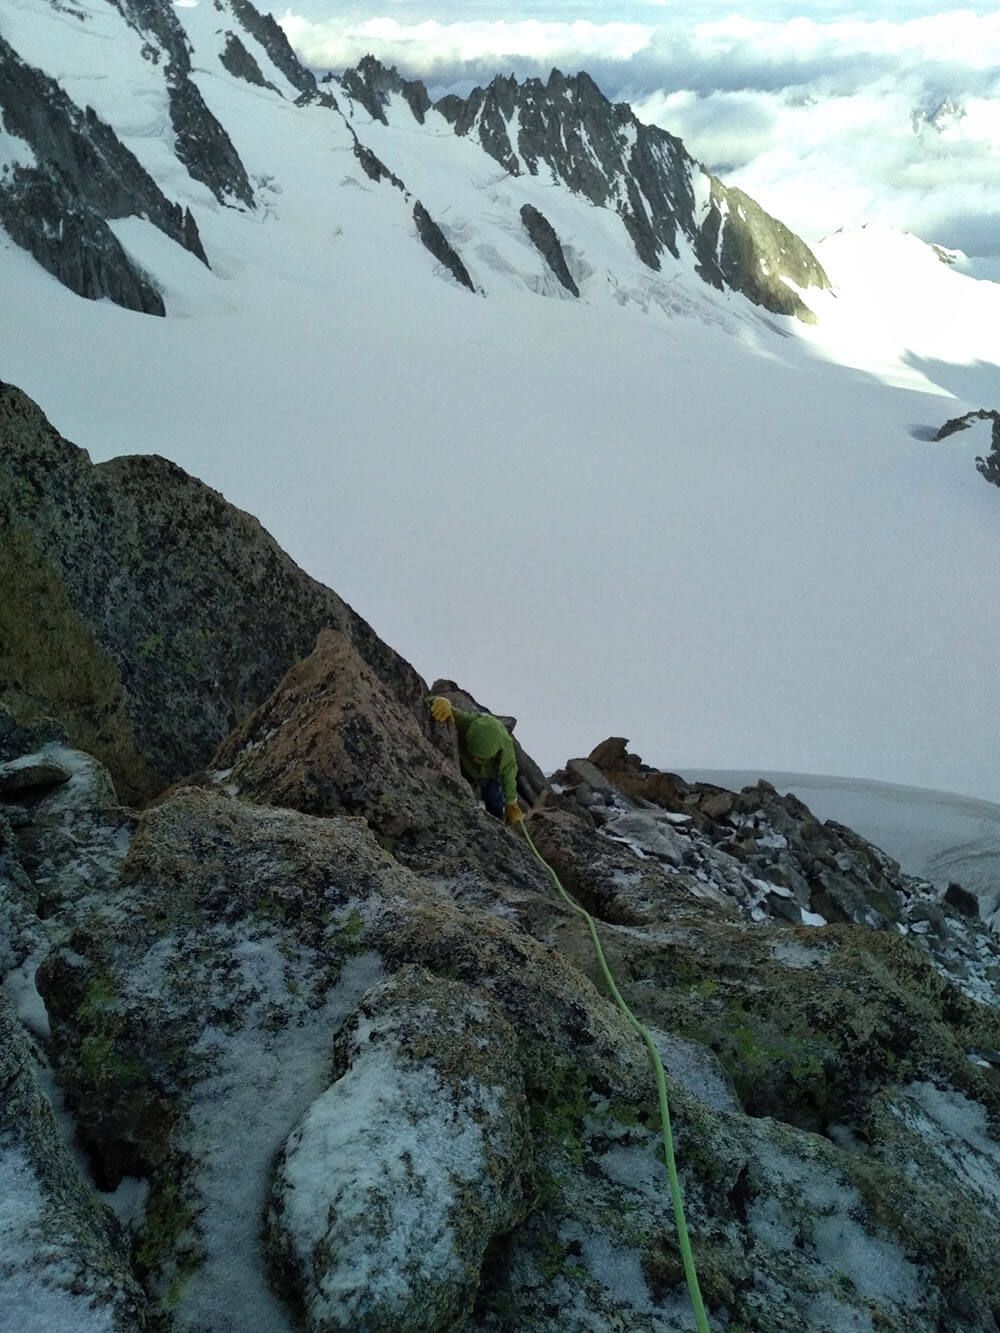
(826, 122)
(432, 49)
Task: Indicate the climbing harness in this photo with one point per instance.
(700, 1318)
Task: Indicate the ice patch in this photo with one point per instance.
(809, 1208)
(19, 987)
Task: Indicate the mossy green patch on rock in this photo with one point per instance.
(51, 664)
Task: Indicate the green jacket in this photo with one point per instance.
(502, 765)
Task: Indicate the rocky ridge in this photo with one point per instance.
(169, 614)
(336, 1057)
(603, 152)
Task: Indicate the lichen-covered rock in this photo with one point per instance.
(194, 1007)
(64, 1262)
(358, 1050)
(146, 650)
(424, 1138)
(821, 1083)
(31, 773)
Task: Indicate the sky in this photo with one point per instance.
(829, 115)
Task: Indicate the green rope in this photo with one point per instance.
(700, 1318)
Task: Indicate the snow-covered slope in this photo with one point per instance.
(655, 509)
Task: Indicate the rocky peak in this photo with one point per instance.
(157, 20)
(372, 84)
(82, 176)
(940, 116)
(271, 36)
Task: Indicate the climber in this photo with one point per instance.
(486, 754)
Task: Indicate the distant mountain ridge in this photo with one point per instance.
(600, 150)
(66, 175)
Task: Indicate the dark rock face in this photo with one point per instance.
(84, 176)
(494, 113)
(437, 243)
(988, 467)
(241, 64)
(603, 152)
(372, 85)
(543, 237)
(171, 613)
(268, 32)
(156, 20)
(375, 169)
(59, 209)
(204, 146)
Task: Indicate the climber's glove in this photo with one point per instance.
(513, 814)
(441, 710)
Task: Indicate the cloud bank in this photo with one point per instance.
(826, 121)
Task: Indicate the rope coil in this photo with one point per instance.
(697, 1305)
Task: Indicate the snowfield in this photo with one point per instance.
(657, 511)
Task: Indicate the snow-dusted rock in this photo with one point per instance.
(194, 1011)
(423, 1142)
(64, 1259)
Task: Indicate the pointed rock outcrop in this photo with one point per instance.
(170, 614)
